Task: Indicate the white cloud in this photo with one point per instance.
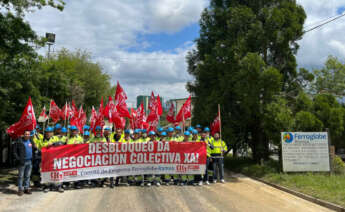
(109, 28)
(317, 45)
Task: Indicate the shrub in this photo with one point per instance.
(338, 166)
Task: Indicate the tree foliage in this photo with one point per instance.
(245, 57)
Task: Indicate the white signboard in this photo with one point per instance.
(305, 151)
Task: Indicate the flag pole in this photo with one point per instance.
(65, 114)
(50, 106)
(220, 128)
(183, 124)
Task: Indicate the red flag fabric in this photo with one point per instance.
(141, 117)
(170, 116)
(26, 122)
(159, 104)
(65, 112)
(153, 125)
(80, 120)
(120, 102)
(133, 118)
(43, 116)
(215, 126)
(93, 119)
(73, 110)
(185, 111)
(153, 106)
(119, 121)
(152, 102)
(109, 108)
(101, 107)
(54, 111)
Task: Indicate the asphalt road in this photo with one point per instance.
(237, 194)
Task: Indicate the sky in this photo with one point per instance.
(143, 44)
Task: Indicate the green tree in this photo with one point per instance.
(245, 56)
(19, 75)
(73, 75)
(331, 78)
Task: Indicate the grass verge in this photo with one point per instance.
(319, 185)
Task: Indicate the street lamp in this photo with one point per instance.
(50, 41)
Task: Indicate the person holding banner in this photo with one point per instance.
(74, 137)
(98, 136)
(163, 136)
(127, 136)
(219, 149)
(57, 129)
(178, 134)
(23, 153)
(86, 137)
(107, 134)
(195, 136)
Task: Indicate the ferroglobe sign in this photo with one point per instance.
(305, 151)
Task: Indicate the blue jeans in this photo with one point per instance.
(218, 162)
(24, 175)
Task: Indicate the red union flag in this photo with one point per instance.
(108, 110)
(43, 116)
(65, 112)
(154, 109)
(215, 126)
(159, 104)
(152, 102)
(102, 160)
(54, 111)
(141, 117)
(120, 102)
(133, 118)
(93, 118)
(79, 121)
(73, 110)
(185, 111)
(170, 116)
(26, 122)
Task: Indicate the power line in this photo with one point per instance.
(327, 22)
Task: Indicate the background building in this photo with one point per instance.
(145, 100)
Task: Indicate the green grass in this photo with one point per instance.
(319, 185)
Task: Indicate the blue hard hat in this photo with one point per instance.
(144, 131)
(49, 129)
(177, 128)
(127, 131)
(190, 128)
(170, 129)
(73, 128)
(86, 127)
(87, 133)
(64, 130)
(38, 126)
(164, 133)
(160, 129)
(33, 132)
(98, 128)
(137, 131)
(194, 132)
(107, 128)
(57, 126)
(198, 126)
(206, 129)
(187, 133)
(152, 133)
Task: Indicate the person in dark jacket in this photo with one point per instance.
(23, 152)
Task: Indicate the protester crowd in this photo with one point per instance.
(28, 154)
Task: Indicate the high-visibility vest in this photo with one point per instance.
(218, 146)
(75, 140)
(97, 140)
